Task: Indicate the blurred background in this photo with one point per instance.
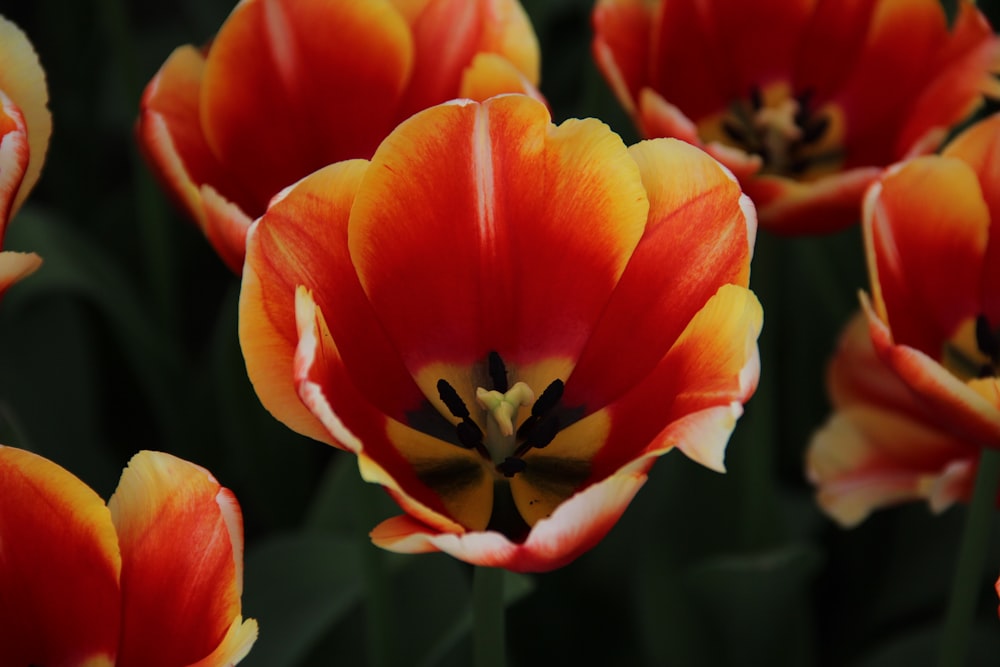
(125, 339)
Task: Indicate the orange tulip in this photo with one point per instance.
(151, 579)
(289, 86)
(882, 446)
(507, 322)
(804, 100)
(25, 126)
(933, 248)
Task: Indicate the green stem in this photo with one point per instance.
(488, 617)
(971, 561)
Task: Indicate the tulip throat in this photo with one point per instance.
(504, 443)
(792, 138)
(974, 351)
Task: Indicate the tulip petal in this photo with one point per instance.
(979, 147)
(443, 484)
(181, 537)
(302, 240)
(699, 236)
(490, 75)
(575, 526)
(330, 99)
(16, 265)
(713, 364)
(453, 230)
(59, 567)
(14, 157)
(22, 82)
(927, 212)
(968, 413)
(825, 205)
(882, 446)
(622, 30)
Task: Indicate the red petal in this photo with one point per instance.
(699, 237)
(828, 204)
(59, 566)
(622, 41)
(280, 98)
(14, 157)
(979, 146)
(181, 537)
(302, 240)
(453, 230)
(927, 212)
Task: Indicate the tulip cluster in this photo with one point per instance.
(508, 320)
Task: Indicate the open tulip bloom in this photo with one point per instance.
(933, 248)
(289, 86)
(152, 579)
(25, 126)
(507, 322)
(804, 100)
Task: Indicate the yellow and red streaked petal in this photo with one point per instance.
(453, 229)
(59, 567)
(16, 265)
(280, 99)
(181, 537)
(490, 75)
(699, 236)
(905, 44)
(14, 157)
(713, 364)
(964, 68)
(828, 204)
(979, 147)
(867, 457)
(302, 240)
(225, 226)
(622, 38)
(856, 376)
(443, 484)
(964, 410)
(575, 527)
(22, 83)
(447, 34)
(926, 212)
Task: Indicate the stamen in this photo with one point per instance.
(986, 340)
(451, 399)
(511, 466)
(756, 99)
(498, 372)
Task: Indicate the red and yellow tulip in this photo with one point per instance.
(151, 579)
(804, 100)
(289, 86)
(25, 127)
(932, 240)
(507, 321)
(882, 446)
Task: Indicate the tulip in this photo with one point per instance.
(804, 100)
(507, 322)
(25, 127)
(933, 249)
(882, 447)
(152, 579)
(289, 86)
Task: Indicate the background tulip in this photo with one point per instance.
(792, 95)
(276, 72)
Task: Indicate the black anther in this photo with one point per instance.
(498, 372)
(452, 400)
(511, 466)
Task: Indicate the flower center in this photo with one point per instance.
(974, 352)
(503, 444)
(791, 137)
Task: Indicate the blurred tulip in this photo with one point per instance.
(507, 322)
(804, 100)
(933, 247)
(25, 127)
(289, 86)
(152, 579)
(882, 446)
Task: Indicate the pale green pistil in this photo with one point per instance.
(501, 410)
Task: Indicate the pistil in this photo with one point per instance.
(501, 410)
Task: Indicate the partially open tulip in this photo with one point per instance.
(804, 100)
(152, 579)
(289, 86)
(25, 127)
(507, 322)
(882, 446)
(932, 238)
